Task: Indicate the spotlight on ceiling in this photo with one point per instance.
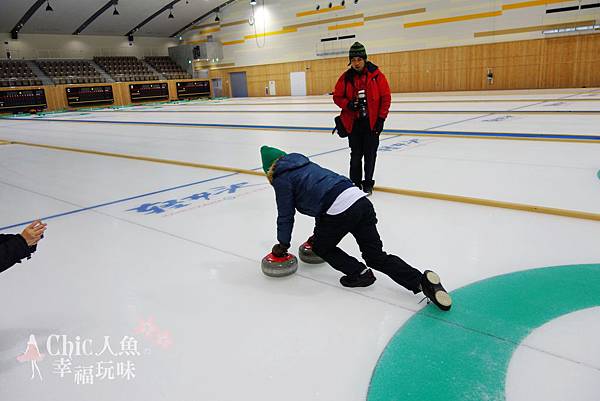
(171, 13)
(330, 4)
(318, 7)
(252, 2)
(217, 19)
(115, 11)
(355, 1)
(49, 7)
(130, 38)
(343, 3)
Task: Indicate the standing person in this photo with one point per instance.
(339, 208)
(363, 94)
(14, 247)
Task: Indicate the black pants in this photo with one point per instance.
(363, 143)
(360, 221)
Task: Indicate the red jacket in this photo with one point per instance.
(379, 97)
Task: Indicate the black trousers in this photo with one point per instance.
(360, 221)
(363, 144)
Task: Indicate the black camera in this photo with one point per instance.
(362, 104)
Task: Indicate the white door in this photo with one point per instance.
(298, 83)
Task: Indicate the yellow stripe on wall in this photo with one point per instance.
(395, 14)
(533, 28)
(531, 4)
(234, 42)
(344, 26)
(240, 22)
(321, 11)
(260, 35)
(453, 19)
(206, 25)
(209, 30)
(195, 42)
(324, 21)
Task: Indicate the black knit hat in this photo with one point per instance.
(357, 50)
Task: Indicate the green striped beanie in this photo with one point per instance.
(357, 50)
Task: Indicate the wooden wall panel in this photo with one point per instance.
(568, 61)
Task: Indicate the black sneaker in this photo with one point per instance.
(434, 291)
(367, 187)
(358, 280)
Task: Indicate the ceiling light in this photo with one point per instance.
(355, 1)
(49, 7)
(217, 19)
(318, 7)
(252, 2)
(343, 3)
(330, 4)
(115, 11)
(171, 14)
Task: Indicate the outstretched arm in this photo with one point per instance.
(13, 248)
(285, 210)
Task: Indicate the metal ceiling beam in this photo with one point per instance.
(150, 18)
(27, 15)
(95, 15)
(219, 7)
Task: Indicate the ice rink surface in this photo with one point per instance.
(147, 285)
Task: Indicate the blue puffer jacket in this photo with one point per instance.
(304, 186)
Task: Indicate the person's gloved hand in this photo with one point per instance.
(352, 105)
(279, 250)
(378, 126)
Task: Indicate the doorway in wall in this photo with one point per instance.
(217, 87)
(239, 85)
(298, 83)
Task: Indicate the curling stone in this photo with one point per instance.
(307, 255)
(273, 266)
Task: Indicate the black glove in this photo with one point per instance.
(378, 126)
(279, 250)
(311, 240)
(352, 105)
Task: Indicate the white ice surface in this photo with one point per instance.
(236, 334)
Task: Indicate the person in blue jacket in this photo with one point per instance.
(339, 208)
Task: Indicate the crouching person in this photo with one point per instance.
(339, 208)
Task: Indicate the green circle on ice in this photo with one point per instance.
(463, 354)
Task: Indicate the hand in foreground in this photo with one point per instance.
(34, 232)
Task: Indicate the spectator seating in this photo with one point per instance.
(17, 73)
(126, 69)
(70, 71)
(167, 67)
